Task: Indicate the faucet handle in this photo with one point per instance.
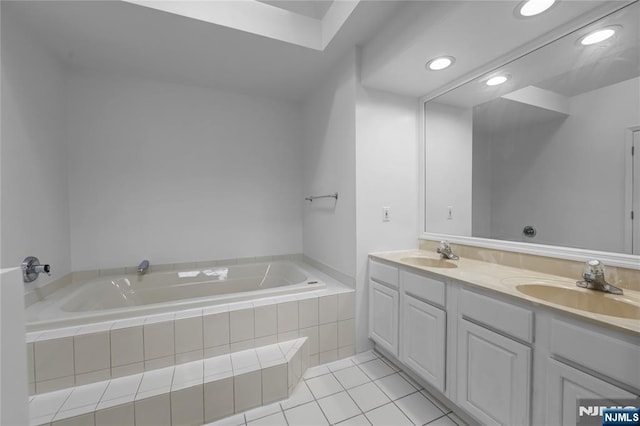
(593, 269)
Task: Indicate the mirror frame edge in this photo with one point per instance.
(621, 260)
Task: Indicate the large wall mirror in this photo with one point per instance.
(545, 156)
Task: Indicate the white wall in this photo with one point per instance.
(566, 177)
(386, 175)
(329, 228)
(35, 206)
(13, 354)
(175, 173)
(448, 167)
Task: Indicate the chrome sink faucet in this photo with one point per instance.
(143, 267)
(594, 278)
(445, 251)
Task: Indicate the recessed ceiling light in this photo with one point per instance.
(440, 63)
(498, 79)
(599, 35)
(534, 7)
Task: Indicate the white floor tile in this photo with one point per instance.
(436, 402)
(260, 412)
(457, 419)
(418, 408)
(395, 386)
(338, 407)
(306, 415)
(390, 364)
(300, 395)
(340, 364)
(276, 419)
(324, 385)
(388, 415)
(351, 377)
(316, 371)
(360, 420)
(376, 369)
(443, 421)
(410, 380)
(368, 396)
(364, 357)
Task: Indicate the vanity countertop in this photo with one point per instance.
(506, 279)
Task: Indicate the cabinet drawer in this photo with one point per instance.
(422, 287)
(505, 317)
(608, 355)
(383, 273)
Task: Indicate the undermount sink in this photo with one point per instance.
(428, 262)
(585, 300)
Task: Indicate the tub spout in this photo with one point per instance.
(143, 267)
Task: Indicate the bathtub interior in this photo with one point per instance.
(136, 290)
(130, 295)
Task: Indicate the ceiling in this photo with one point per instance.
(315, 9)
(398, 37)
(564, 66)
(120, 37)
(474, 32)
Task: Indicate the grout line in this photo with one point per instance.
(437, 418)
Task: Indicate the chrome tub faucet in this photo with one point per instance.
(143, 267)
(594, 278)
(445, 251)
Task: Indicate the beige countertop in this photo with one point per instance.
(506, 279)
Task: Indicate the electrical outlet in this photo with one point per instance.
(449, 212)
(386, 214)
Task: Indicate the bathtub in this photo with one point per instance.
(124, 296)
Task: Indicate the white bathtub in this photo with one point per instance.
(124, 296)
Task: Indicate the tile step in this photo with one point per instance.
(195, 393)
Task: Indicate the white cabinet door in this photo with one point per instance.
(383, 316)
(493, 376)
(423, 337)
(566, 385)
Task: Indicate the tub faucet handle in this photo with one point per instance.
(31, 268)
(143, 267)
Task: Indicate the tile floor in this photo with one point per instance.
(365, 389)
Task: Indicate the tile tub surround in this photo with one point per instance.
(620, 277)
(192, 393)
(75, 356)
(365, 389)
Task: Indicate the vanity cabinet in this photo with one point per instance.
(493, 376)
(384, 305)
(424, 323)
(383, 316)
(493, 363)
(501, 360)
(565, 386)
(423, 337)
(577, 355)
